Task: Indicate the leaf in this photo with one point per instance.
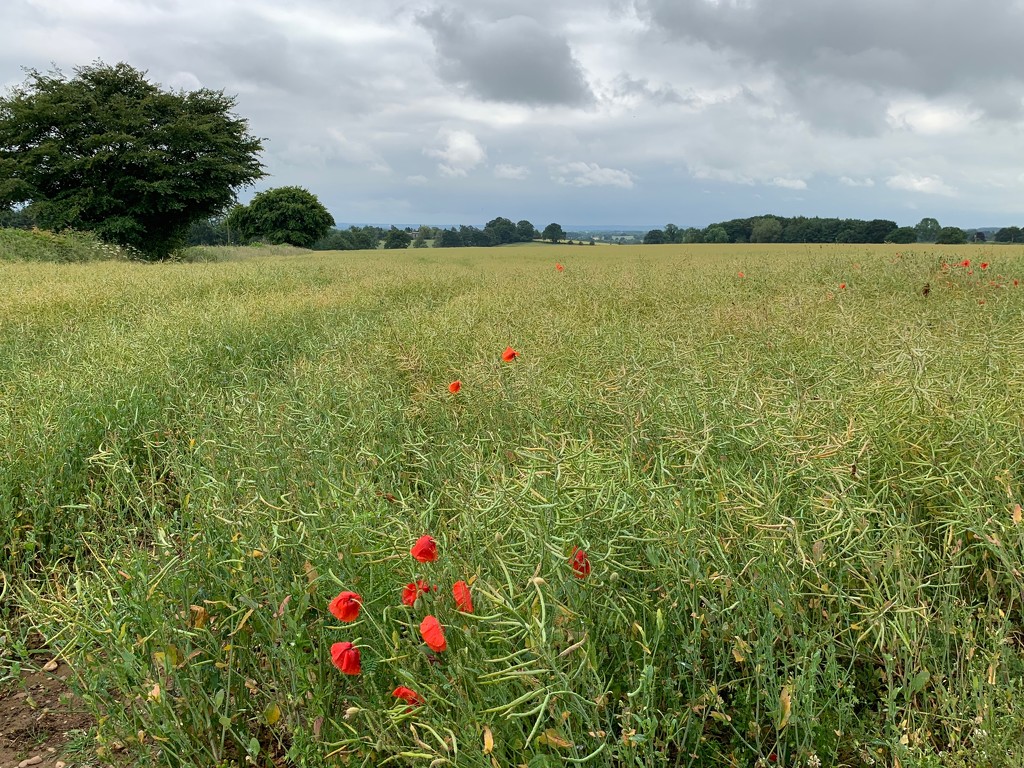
(552, 738)
(785, 705)
(488, 741)
(272, 713)
(920, 681)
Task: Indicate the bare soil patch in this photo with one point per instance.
(38, 717)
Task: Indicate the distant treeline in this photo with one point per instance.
(803, 229)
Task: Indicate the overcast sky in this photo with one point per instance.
(600, 112)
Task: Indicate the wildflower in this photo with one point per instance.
(984, 265)
(407, 695)
(412, 591)
(965, 263)
(842, 286)
(740, 275)
(345, 606)
(580, 563)
(433, 634)
(346, 658)
(455, 386)
(425, 549)
(559, 267)
(463, 599)
(1016, 282)
(509, 355)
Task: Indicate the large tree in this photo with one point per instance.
(108, 151)
(553, 232)
(951, 236)
(928, 230)
(290, 215)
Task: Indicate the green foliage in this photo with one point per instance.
(109, 152)
(792, 554)
(66, 246)
(397, 238)
(283, 215)
(767, 229)
(951, 236)
(1009, 235)
(525, 231)
(655, 237)
(716, 234)
(553, 232)
(902, 235)
(928, 230)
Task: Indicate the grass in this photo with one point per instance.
(798, 502)
(61, 247)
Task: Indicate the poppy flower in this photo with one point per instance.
(740, 274)
(407, 695)
(984, 265)
(412, 591)
(345, 606)
(346, 658)
(1016, 282)
(580, 563)
(965, 263)
(559, 267)
(425, 549)
(433, 634)
(842, 286)
(509, 355)
(455, 386)
(463, 599)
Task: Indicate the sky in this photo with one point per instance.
(630, 113)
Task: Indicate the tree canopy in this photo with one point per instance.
(110, 152)
(553, 232)
(290, 215)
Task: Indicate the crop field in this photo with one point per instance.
(723, 506)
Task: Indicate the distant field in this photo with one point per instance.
(795, 472)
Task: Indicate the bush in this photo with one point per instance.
(67, 246)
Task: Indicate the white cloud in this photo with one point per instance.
(778, 181)
(462, 153)
(850, 182)
(592, 175)
(929, 185)
(931, 119)
(517, 172)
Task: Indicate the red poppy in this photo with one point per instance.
(965, 263)
(407, 695)
(412, 591)
(463, 599)
(1016, 282)
(842, 286)
(345, 606)
(509, 355)
(425, 549)
(559, 267)
(740, 274)
(433, 634)
(346, 658)
(984, 265)
(580, 563)
(455, 386)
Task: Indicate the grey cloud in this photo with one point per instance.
(630, 87)
(514, 59)
(929, 47)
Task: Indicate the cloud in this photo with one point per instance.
(789, 183)
(929, 185)
(461, 153)
(849, 182)
(514, 59)
(592, 175)
(517, 172)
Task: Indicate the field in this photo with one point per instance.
(737, 505)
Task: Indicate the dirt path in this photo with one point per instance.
(40, 720)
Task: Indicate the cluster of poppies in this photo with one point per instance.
(507, 356)
(347, 605)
